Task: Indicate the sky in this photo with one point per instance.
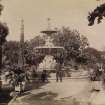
(69, 13)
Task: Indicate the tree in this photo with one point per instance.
(30, 56)
(82, 58)
(37, 41)
(72, 41)
(84, 42)
(3, 33)
(93, 56)
(11, 51)
(98, 12)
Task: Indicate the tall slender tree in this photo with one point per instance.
(3, 33)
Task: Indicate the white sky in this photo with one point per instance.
(72, 13)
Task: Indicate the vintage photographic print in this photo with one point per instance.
(52, 52)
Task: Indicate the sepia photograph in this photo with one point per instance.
(52, 52)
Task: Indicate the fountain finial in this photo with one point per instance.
(49, 31)
(49, 24)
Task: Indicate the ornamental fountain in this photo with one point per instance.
(49, 50)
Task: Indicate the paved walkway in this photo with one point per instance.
(68, 92)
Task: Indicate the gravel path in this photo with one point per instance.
(68, 92)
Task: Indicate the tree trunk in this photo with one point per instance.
(0, 56)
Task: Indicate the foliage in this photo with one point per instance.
(36, 41)
(30, 56)
(98, 12)
(93, 55)
(72, 41)
(3, 34)
(11, 51)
